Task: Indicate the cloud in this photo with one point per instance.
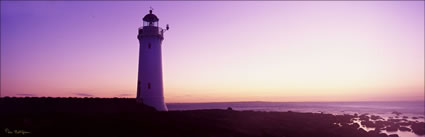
(125, 95)
(83, 94)
(26, 95)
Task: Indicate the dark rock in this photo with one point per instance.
(356, 125)
(404, 124)
(404, 129)
(373, 117)
(362, 131)
(394, 120)
(382, 135)
(396, 113)
(393, 135)
(418, 128)
(368, 123)
(364, 117)
(380, 123)
(229, 108)
(375, 133)
(391, 129)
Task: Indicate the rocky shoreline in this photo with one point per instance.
(123, 117)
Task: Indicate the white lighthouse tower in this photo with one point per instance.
(149, 85)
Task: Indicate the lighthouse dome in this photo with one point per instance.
(150, 17)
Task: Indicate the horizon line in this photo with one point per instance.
(257, 101)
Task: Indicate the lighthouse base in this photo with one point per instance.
(156, 103)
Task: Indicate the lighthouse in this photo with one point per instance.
(150, 89)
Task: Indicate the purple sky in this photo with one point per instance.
(218, 50)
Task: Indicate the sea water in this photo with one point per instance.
(384, 109)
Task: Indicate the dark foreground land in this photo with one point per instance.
(73, 117)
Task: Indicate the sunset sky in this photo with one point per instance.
(218, 50)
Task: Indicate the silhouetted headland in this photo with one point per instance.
(123, 117)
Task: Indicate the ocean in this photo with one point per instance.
(411, 109)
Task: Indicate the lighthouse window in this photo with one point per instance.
(149, 85)
(149, 46)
